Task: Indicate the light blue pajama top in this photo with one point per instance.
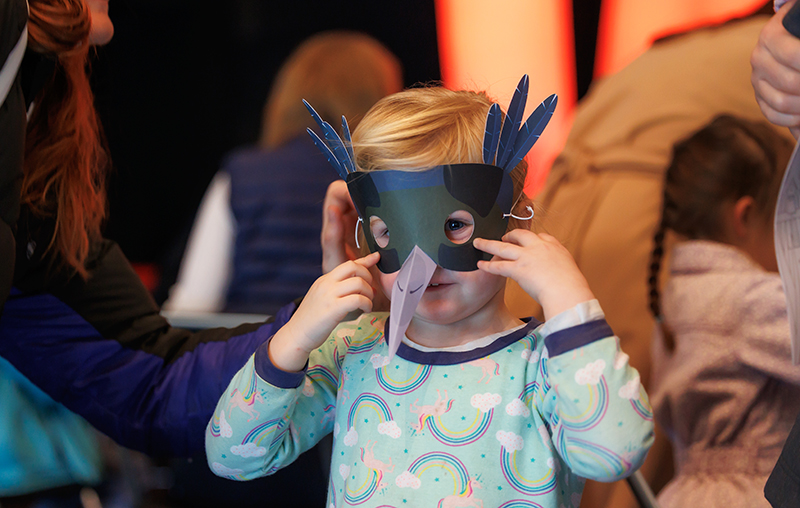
(513, 420)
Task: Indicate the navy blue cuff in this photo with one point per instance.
(267, 371)
(577, 336)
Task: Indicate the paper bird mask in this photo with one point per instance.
(413, 206)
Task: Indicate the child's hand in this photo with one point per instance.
(541, 266)
(331, 297)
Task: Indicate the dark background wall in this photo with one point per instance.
(183, 82)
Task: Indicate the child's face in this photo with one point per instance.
(455, 297)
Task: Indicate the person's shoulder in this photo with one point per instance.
(291, 160)
(243, 157)
(301, 155)
(761, 294)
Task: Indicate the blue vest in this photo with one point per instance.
(276, 198)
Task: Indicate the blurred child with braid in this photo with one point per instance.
(723, 385)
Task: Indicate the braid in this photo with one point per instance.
(654, 297)
(656, 256)
(728, 158)
(669, 215)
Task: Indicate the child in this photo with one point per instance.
(725, 390)
(477, 408)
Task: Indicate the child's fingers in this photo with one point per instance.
(354, 269)
(354, 302)
(523, 237)
(369, 260)
(353, 286)
(504, 268)
(503, 250)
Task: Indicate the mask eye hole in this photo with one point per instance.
(459, 226)
(379, 231)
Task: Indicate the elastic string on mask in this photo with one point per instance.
(521, 218)
(359, 221)
(517, 216)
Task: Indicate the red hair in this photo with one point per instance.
(65, 157)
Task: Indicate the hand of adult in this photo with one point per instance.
(338, 227)
(776, 72)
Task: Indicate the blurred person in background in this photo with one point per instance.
(723, 385)
(77, 321)
(255, 244)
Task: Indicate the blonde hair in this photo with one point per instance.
(424, 127)
(339, 73)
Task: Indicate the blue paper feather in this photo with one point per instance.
(333, 144)
(328, 154)
(491, 136)
(512, 122)
(531, 130)
(348, 144)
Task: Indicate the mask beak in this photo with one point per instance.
(411, 282)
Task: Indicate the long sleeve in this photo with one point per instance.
(256, 427)
(599, 417)
(101, 348)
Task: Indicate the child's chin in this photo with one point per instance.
(437, 312)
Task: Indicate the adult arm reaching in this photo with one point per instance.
(78, 322)
(99, 346)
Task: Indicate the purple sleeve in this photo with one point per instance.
(141, 397)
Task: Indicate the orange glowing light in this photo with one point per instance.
(628, 27)
(489, 46)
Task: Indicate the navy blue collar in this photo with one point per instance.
(406, 352)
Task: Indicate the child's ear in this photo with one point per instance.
(744, 216)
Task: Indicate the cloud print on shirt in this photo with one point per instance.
(390, 429)
(225, 429)
(590, 374)
(517, 408)
(408, 480)
(630, 390)
(221, 470)
(485, 401)
(510, 441)
(351, 438)
(249, 450)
